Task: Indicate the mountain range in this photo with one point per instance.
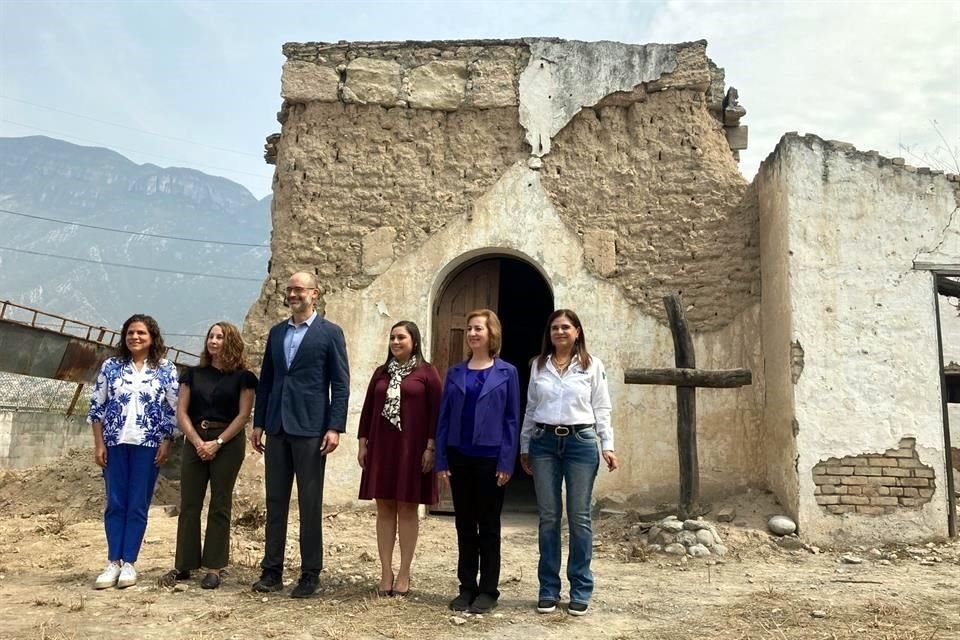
(50, 178)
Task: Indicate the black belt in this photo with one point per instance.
(564, 429)
(209, 425)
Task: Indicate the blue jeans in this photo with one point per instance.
(573, 459)
(130, 476)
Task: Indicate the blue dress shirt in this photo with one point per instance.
(294, 336)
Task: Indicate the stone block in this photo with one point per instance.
(854, 491)
(827, 489)
(840, 471)
(897, 491)
(925, 493)
(492, 84)
(881, 481)
(909, 463)
(868, 471)
(819, 470)
(841, 508)
(884, 501)
(914, 482)
(924, 473)
(825, 500)
(737, 137)
(870, 510)
(912, 502)
(377, 253)
(308, 82)
(438, 85)
(372, 81)
(854, 500)
(854, 462)
(899, 453)
(896, 472)
(600, 251)
(849, 480)
(878, 461)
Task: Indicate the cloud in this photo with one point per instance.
(872, 74)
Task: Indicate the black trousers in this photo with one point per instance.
(221, 474)
(287, 457)
(477, 503)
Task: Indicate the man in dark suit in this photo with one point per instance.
(302, 406)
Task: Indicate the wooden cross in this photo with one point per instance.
(686, 378)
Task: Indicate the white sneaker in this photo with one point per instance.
(109, 576)
(128, 576)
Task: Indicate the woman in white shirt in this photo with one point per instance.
(568, 414)
(133, 415)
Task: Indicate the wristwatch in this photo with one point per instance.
(220, 441)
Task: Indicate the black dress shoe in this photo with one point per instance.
(267, 583)
(462, 601)
(307, 587)
(210, 581)
(483, 603)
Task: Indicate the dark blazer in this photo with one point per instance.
(311, 396)
(496, 418)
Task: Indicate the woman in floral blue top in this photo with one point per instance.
(133, 414)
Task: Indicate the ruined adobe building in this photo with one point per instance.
(419, 180)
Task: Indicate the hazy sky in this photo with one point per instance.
(138, 76)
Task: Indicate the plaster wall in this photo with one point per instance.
(855, 224)
(28, 439)
(620, 335)
(398, 162)
(778, 434)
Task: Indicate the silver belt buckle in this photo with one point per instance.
(561, 430)
(203, 424)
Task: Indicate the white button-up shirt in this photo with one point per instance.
(579, 396)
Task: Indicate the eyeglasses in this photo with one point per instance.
(300, 290)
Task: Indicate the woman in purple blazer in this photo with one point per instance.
(477, 440)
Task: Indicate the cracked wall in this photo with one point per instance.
(842, 230)
(387, 148)
(658, 177)
(874, 483)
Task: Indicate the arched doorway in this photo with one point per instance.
(522, 299)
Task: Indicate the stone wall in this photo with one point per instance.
(860, 342)
(399, 162)
(396, 139)
(30, 439)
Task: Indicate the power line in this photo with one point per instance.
(132, 233)
(131, 266)
(129, 128)
(128, 150)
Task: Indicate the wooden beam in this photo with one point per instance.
(713, 378)
(682, 340)
(947, 287)
(686, 410)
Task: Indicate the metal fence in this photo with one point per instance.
(26, 393)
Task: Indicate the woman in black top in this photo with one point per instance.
(214, 406)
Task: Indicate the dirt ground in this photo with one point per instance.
(52, 546)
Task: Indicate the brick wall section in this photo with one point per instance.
(874, 483)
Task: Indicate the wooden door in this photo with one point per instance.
(476, 287)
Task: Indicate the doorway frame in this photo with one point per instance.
(445, 276)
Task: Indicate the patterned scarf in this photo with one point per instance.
(397, 371)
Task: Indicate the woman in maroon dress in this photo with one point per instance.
(396, 433)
